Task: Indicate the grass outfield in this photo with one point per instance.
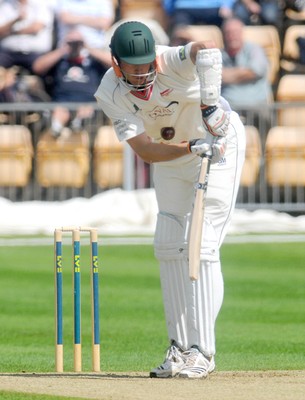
(260, 327)
(25, 396)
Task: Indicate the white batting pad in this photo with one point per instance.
(209, 69)
(207, 295)
(191, 307)
(169, 244)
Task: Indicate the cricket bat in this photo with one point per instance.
(196, 227)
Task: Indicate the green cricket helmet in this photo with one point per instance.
(133, 43)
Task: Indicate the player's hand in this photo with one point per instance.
(217, 122)
(198, 146)
(219, 148)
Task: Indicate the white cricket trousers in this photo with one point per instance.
(191, 308)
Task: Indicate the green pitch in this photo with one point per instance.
(25, 396)
(260, 327)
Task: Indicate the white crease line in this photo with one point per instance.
(117, 241)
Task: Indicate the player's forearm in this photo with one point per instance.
(151, 152)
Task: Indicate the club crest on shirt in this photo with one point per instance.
(160, 111)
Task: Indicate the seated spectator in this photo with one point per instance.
(295, 5)
(90, 17)
(20, 88)
(73, 72)
(7, 83)
(194, 12)
(245, 81)
(26, 32)
(259, 12)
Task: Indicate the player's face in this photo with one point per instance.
(139, 76)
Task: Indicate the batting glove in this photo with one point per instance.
(198, 146)
(219, 148)
(216, 120)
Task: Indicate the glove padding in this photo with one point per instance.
(216, 151)
(199, 147)
(219, 148)
(217, 123)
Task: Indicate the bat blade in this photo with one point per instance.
(195, 236)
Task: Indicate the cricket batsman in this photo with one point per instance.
(165, 103)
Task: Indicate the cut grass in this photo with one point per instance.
(4, 395)
(260, 327)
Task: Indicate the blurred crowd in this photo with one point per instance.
(58, 50)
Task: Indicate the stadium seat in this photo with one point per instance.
(107, 158)
(63, 161)
(16, 155)
(291, 54)
(253, 159)
(159, 34)
(148, 9)
(268, 38)
(291, 88)
(198, 32)
(295, 17)
(285, 156)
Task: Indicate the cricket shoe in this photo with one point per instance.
(172, 365)
(197, 365)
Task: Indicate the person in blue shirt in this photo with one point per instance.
(259, 12)
(194, 12)
(72, 73)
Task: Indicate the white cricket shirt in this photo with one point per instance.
(172, 101)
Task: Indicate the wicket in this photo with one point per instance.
(59, 358)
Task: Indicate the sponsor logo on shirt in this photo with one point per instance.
(222, 161)
(182, 54)
(120, 127)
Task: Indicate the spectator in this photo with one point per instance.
(18, 88)
(259, 12)
(73, 71)
(90, 17)
(245, 69)
(26, 32)
(295, 5)
(7, 82)
(194, 12)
